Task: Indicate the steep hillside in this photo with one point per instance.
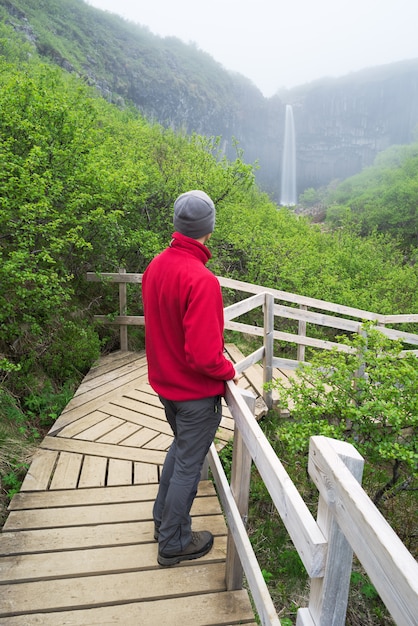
(340, 124)
(173, 83)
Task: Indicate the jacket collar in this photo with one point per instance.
(192, 246)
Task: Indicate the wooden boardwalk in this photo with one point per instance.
(78, 548)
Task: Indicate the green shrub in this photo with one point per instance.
(366, 396)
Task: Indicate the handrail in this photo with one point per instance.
(338, 321)
(347, 519)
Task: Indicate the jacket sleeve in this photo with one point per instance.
(203, 330)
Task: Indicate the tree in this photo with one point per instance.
(366, 396)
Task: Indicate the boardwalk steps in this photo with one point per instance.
(92, 551)
(78, 547)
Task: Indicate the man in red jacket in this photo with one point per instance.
(184, 327)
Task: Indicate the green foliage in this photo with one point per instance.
(366, 600)
(364, 584)
(83, 186)
(44, 406)
(367, 396)
(15, 448)
(264, 245)
(382, 198)
(311, 197)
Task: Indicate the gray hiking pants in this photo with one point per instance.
(194, 424)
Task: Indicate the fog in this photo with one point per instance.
(279, 44)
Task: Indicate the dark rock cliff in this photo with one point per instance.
(342, 124)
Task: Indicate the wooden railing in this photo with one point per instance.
(304, 310)
(347, 519)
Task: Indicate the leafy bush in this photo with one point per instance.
(381, 198)
(366, 396)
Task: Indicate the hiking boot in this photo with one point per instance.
(200, 545)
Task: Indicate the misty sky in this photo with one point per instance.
(277, 43)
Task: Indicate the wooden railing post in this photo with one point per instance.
(360, 373)
(268, 347)
(301, 333)
(329, 595)
(122, 311)
(240, 488)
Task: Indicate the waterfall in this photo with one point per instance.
(288, 196)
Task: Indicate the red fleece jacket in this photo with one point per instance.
(184, 323)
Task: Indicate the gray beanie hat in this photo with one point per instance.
(194, 214)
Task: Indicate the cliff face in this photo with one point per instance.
(340, 125)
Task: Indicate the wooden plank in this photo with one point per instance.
(118, 435)
(318, 319)
(224, 608)
(100, 429)
(257, 331)
(112, 361)
(160, 442)
(224, 434)
(313, 303)
(240, 487)
(122, 320)
(251, 359)
(140, 438)
(129, 409)
(301, 526)
(98, 514)
(82, 423)
(254, 374)
(304, 618)
(123, 329)
(400, 319)
(114, 385)
(145, 473)
(105, 560)
(90, 591)
(100, 384)
(399, 334)
(103, 449)
(93, 472)
(67, 471)
(106, 495)
(390, 566)
(329, 595)
(137, 413)
(239, 308)
(40, 470)
(119, 472)
(100, 535)
(255, 579)
(227, 422)
(114, 278)
(78, 407)
(144, 394)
